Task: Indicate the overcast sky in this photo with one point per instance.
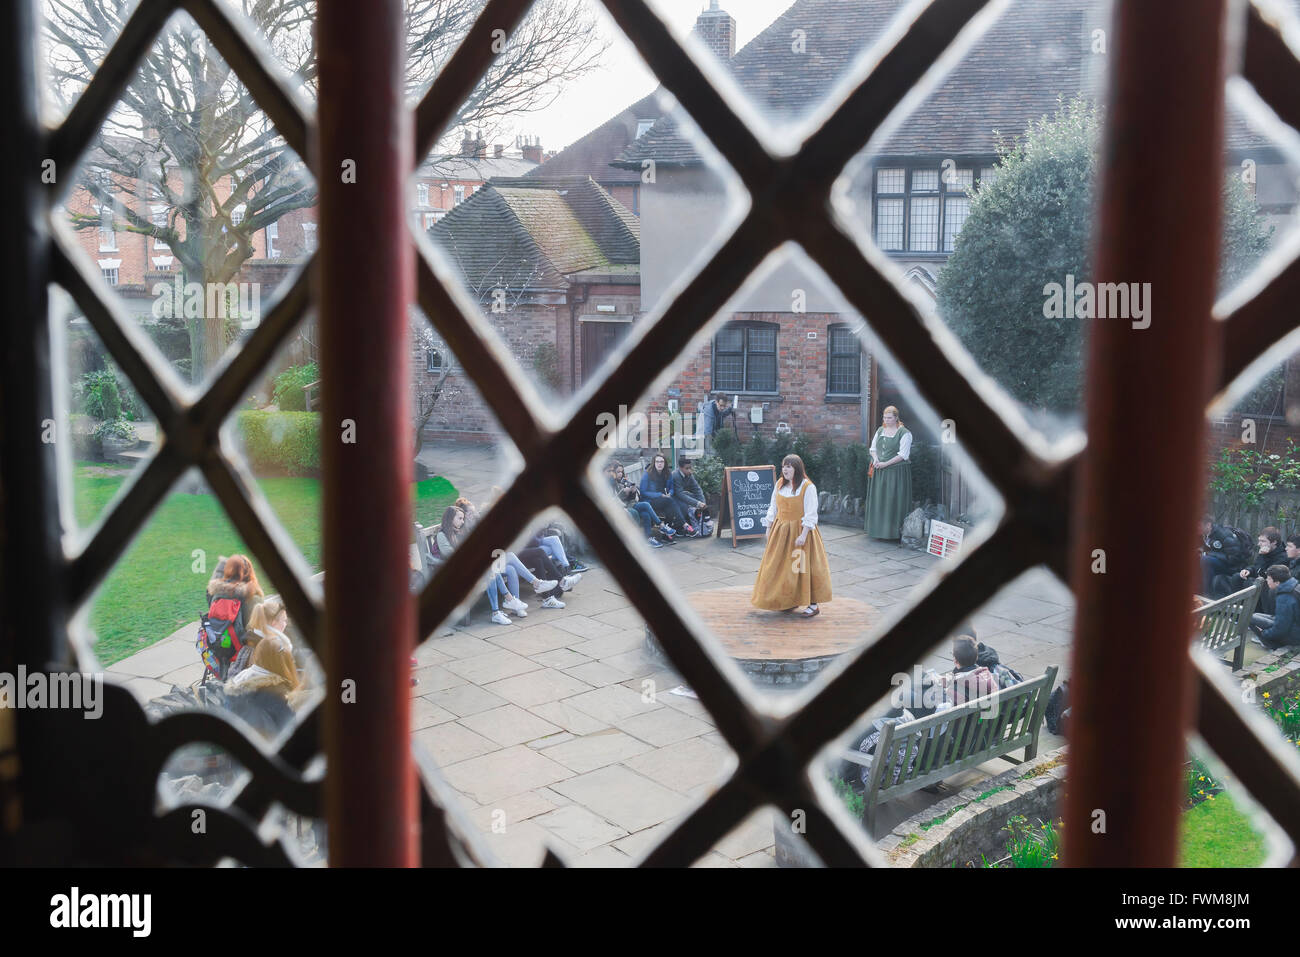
(623, 78)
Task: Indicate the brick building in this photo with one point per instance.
(799, 368)
(554, 264)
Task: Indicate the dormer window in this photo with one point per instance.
(922, 209)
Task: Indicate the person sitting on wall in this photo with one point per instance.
(657, 489)
(1222, 553)
(642, 512)
(1283, 627)
(689, 495)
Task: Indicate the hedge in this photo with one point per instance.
(280, 443)
(288, 393)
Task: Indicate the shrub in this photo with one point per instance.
(280, 443)
(827, 465)
(925, 473)
(782, 445)
(755, 451)
(1032, 846)
(854, 462)
(727, 447)
(708, 472)
(546, 363)
(288, 393)
(117, 428)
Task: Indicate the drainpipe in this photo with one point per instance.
(573, 334)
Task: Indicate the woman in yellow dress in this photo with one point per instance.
(794, 571)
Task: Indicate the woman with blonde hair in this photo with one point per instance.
(266, 692)
(889, 479)
(269, 620)
(794, 570)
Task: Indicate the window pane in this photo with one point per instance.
(988, 174)
(762, 339)
(843, 341)
(959, 180)
(955, 211)
(889, 223)
(889, 181)
(731, 339)
(924, 235)
(729, 373)
(843, 375)
(762, 373)
(925, 181)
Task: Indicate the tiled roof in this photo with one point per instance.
(526, 233)
(592, 154)
(1036, 54)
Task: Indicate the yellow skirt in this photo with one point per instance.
(791, 576)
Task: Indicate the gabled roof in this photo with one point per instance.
(1036, 54)
(532, 233)
(591, 155)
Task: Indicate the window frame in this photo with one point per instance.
(910, 165)
(832, 355)
(745, 326)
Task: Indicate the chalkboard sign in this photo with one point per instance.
(746, 496)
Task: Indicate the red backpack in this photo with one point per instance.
(218, 642)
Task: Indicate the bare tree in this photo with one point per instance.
(188, 138)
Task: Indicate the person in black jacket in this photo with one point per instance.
(1221, 554)
(1270, 553)
(1293, 555)
(1283, 628)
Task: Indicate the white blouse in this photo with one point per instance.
(809, 505)
(904, 445)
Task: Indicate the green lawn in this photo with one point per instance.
(1217, 834)
(158, 585)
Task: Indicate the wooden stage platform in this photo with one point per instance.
(780, 648)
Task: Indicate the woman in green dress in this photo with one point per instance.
(889, 488)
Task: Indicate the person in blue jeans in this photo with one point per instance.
(502, 587)
(642, 512)
(657, 489)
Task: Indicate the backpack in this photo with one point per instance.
(218, 642)
(1003, 674)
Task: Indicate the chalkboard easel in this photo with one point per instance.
(746, 495)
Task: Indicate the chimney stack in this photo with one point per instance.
(498, 150)
(467, 145)
(532, 149)
(717, 29)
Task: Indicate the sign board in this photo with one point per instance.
(945, 539)
(746, 495)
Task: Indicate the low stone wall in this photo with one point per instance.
(1276, 674)
(975, 827)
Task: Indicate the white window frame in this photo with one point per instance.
(111, 244)
(422, 195)
(158, 217)
(458, 193)
(309, 237)
(272, 234)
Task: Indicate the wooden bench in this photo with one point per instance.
(923, 752)
(1224, 625)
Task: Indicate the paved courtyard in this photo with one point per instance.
(544, 727)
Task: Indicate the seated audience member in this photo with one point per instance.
(968, 680)
(689, 495)
(234, 578)
(1222, 554)
(657, 489)
(1057, 714)
(266, 693)
(550, 585)
(269, 619)
(553, 545)
(1282, 627)
(630, 497)
(1293, 555)
(499, 592)
(1270, 553)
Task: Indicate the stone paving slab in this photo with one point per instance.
(509, 725)
(592, 751)
(425, 714)
(664, 727)
(685, 765)
(532, 641)
(612, 704)
(598, 674)
(493, 666)
(559, 659)
(466, 699)
(571, 719)
(624, 797)
(539, 687)
(580, 828)
(502, 773)
(449, 743)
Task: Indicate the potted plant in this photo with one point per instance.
(115, 436)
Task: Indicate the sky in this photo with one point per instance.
(623, 78)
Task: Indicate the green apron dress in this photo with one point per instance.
(889, 491)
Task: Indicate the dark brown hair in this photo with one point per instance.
(799, 473)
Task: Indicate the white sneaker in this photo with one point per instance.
(540, 586)
(552, 602)
(567, 583)
(501, 618)
(517, 605)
